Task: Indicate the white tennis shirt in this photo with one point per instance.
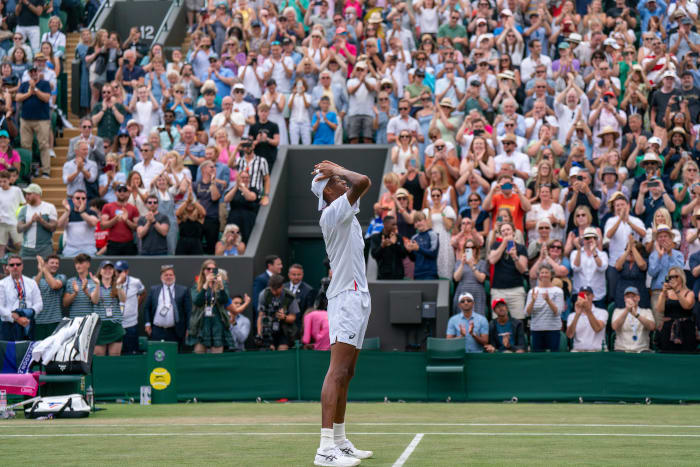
(344, 246)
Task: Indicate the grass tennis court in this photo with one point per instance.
(274, 434)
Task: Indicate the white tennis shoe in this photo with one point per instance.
(334, 457)
(348, 449)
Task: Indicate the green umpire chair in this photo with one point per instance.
(444, 356)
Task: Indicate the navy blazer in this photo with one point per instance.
(183, 303)
(259, 284)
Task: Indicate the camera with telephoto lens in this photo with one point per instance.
(270, 326)
(264, 340)
(321, 302)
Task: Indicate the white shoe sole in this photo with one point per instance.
(363, 455)
(333, 464)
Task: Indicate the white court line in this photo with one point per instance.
(157, 425)
(237, 433)
(408, 451)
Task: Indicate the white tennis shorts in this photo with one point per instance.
(348, 315)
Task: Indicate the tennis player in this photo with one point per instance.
(348, 303)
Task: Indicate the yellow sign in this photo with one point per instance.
(160, 379)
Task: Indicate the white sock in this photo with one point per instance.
(338, 432)
(326, 438)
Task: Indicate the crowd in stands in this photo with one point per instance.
(545, 156)
(196, 311)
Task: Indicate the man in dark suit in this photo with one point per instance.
(273, 265)
(301, 290)
(167, 309)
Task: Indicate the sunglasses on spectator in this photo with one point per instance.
(239, 91)
(16, 265)
(210, 268)
(440, 147)
(675, 276)
(122, 189)
(544, 227)
(436, 195)
(383, 99)
(79, 198)
(152, 202)
(474, 200)
(87, 126)
(508, 143)
(466, 300)
(555, 247)
(403, 108)
(404, 136)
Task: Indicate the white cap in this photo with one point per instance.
(465, 295)
(506, 12)
(238, 86)
(668, 74)
(574, 171)
(612, 43)
(317, 187)
(590, 232)
(655, 140)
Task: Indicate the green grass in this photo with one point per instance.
(287, 435)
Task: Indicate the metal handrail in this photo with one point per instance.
(164, 25)
(103, 5)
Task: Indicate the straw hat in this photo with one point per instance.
(608, 130)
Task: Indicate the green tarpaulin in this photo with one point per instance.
(298, 374)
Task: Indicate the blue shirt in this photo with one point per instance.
(131, 75)
(222, 89)
(34, 108)
(324, 134)
(376, 225)
(481, 327)
(693, 262)
(426, 255)
(646, 14)
(650, 207)
(659, 267)
(501, 330)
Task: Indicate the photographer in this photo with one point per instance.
(652, 196)
(209, 322)
(277, 314)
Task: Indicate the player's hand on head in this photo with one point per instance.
(326, 169)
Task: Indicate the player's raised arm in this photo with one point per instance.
(360, 183)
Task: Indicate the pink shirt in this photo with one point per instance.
(316, 327)
(9, 160)
(224, 157)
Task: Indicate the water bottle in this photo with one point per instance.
(90, 394)
(3, 401)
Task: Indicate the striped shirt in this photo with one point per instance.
(543, 318)
(106, 304)
(82, 305)
(258, 169)
(52, 301)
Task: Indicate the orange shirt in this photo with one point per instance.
(452, 160)
(511, 203)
